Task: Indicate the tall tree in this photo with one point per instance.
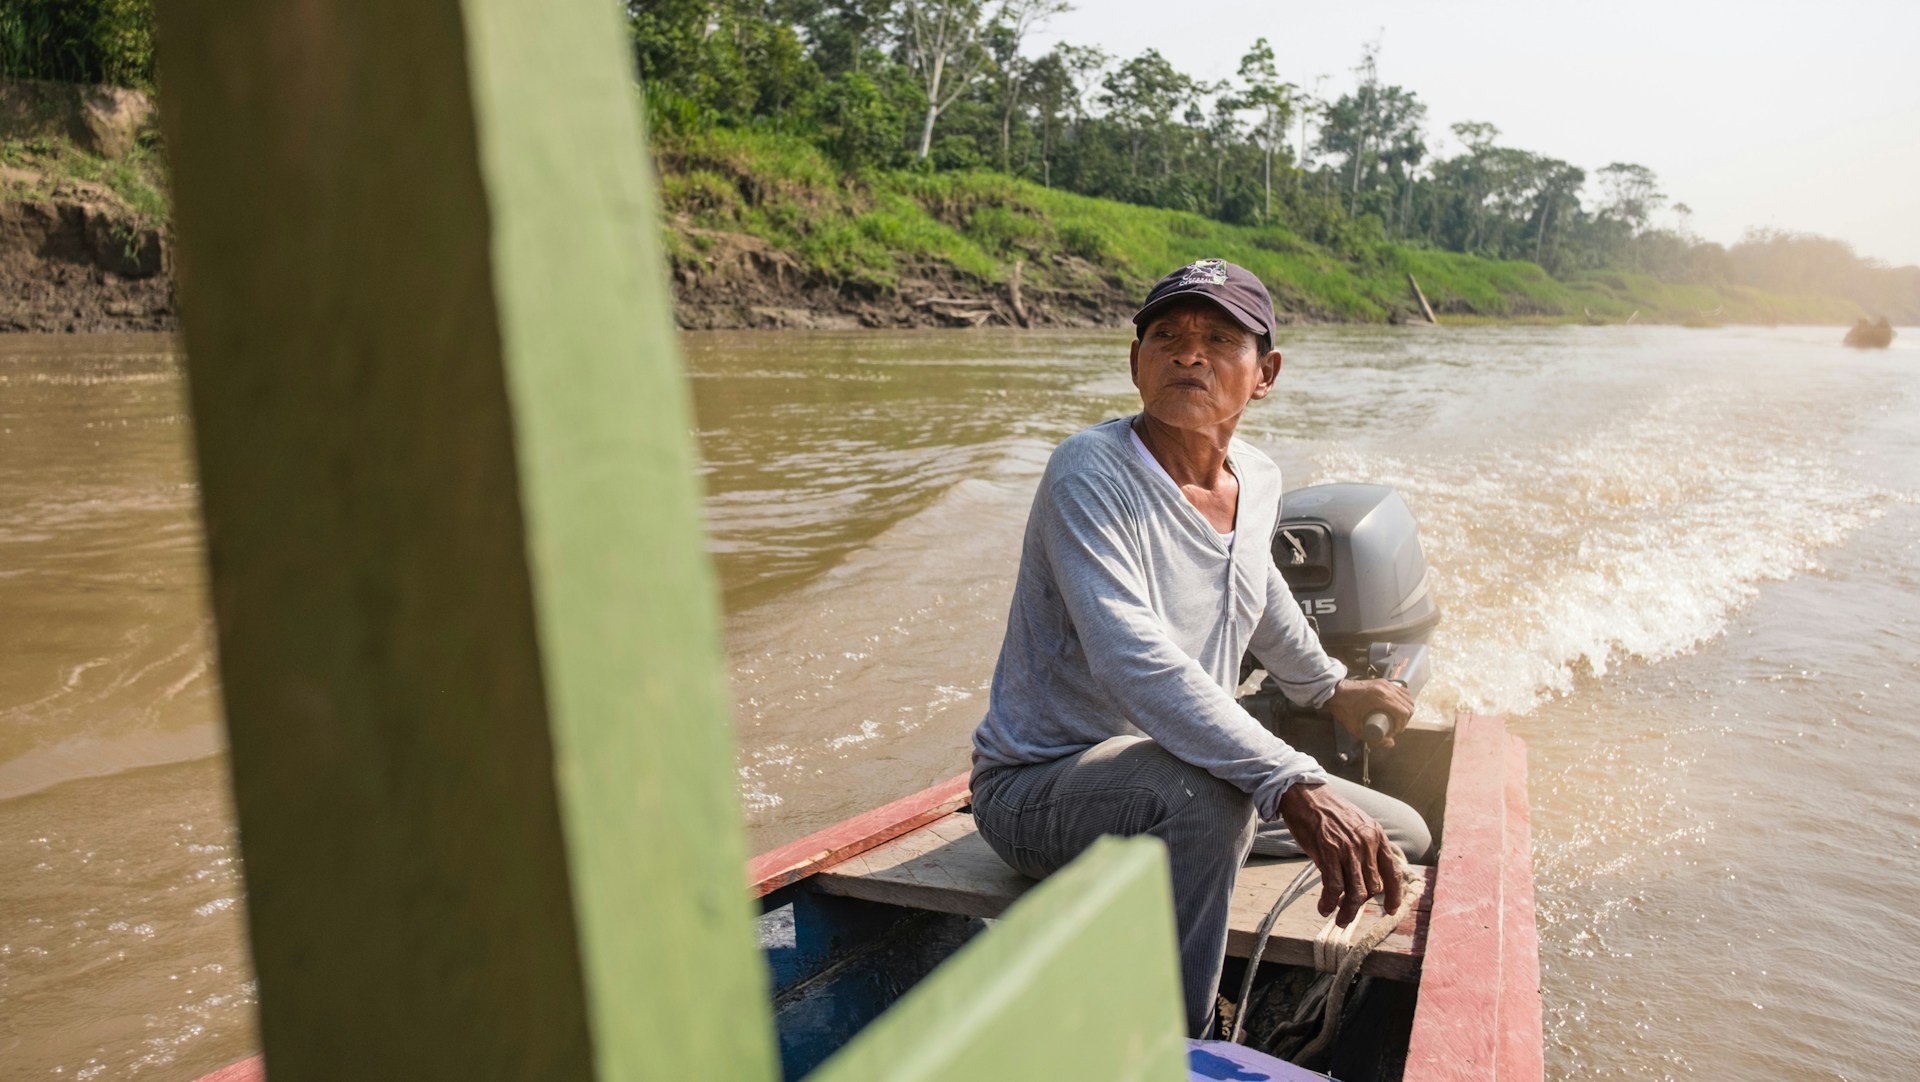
(1274, 99)
(1559, 197)
(1631, 194)
(1377, 130)
(1008, 34)
(845, 34)
(942, 43)
(1363, 106)
(1050, 88)
(1144, 94)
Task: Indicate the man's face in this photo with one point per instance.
(1195, 367)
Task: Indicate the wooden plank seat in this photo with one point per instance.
(945, 867)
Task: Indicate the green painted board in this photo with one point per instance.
(1079, 980)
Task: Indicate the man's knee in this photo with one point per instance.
(1411, 833)
(1202, 809)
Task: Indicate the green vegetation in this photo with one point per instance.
(871, 228)
(78, 41)
(47, 167)
(1342, 188)
(872, 139)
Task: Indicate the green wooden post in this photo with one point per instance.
(469, 640)
(468, 637)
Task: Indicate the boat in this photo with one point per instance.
(857, 913)
(1869, 334)
(854, 916)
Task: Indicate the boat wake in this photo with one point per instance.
(1638, 539)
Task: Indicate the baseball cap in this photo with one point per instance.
(1235, 289)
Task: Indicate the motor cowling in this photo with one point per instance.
(1351, 554)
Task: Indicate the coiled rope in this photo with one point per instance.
(1336, 950)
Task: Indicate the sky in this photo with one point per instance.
(1798, 116)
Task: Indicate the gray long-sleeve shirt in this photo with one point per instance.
(1130, 616)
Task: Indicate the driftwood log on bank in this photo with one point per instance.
(1422, 298)
(1013, 293)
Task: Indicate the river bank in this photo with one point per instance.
(84, 218)
(763, 232)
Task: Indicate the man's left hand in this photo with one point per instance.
(1354, 701)
(1355, 859)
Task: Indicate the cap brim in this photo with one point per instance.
(1247, 320)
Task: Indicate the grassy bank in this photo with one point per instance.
(49, 168)
(822, 240)
(872, 231)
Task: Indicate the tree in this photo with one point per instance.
(1631, 194)
(1050, 88)
(1274, 98)
(1016, 19)
(78, 41)
(1477, 135)
(1362, 112)
(711, 62)
(1559, 196)
(857, 123)
(942, 43)
(1144, 94)
(1378, 131)
(845, 34)
(1683, 217)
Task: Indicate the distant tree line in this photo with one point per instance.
(951, 84)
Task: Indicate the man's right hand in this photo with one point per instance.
(1355, 859)
(1353, 700)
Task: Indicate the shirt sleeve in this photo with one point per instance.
(1098, 569)
(1287, 647)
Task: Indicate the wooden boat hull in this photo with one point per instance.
(853, 916)
(858, 912)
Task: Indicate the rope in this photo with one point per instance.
(1348, 948)
(1336, 950)
(1308, 878)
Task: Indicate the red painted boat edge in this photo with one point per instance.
(797, 860)
(247, 1070)
(1522, 1042)
(1478, 1017)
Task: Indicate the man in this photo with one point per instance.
(1146, 575)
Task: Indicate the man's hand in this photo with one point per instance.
(1355, 859)
(1354, 700)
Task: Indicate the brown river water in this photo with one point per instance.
(1686, 563)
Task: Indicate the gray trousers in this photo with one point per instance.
(1041, 816)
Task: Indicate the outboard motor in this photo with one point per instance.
(1351, 554)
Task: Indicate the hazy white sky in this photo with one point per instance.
(1802, 116)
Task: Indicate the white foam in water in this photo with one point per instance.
(1638, 539)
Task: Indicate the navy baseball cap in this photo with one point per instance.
(1231, 287)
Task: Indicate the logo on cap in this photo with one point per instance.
(1205, 272)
